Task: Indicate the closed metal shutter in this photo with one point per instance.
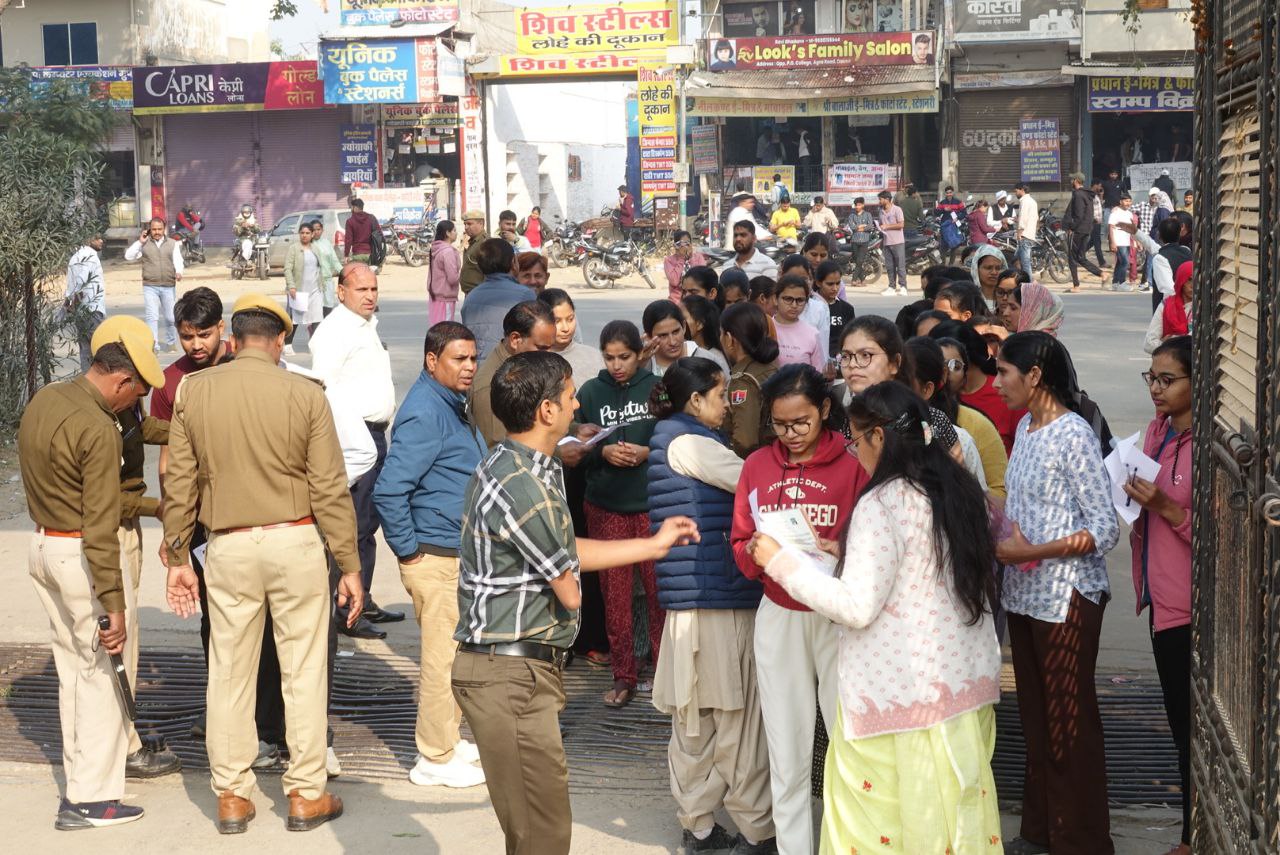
(121, 138)
(211, 162)
(989, 152)
(1238, 266)
(278, 162)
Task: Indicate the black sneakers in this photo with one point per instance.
(72, 816)
(151, 761)
(718, 840)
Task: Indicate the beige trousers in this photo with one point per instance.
(94, 742)
(432, 583)
(130, 536)
(245, 573)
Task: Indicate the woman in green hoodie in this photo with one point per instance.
(617, 502)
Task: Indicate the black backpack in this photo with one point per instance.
(377, 246)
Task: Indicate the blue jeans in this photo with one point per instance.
(1024, 254)
(1121, 272)
(157, 301)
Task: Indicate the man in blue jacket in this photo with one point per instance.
(434, 451)
(486, 306)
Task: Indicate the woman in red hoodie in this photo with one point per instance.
(1161, 539)
(796, 650)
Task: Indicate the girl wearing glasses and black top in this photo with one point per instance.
(806, 466)
(1063, 525)
(1161, 539)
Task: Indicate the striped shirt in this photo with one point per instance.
(517, 536)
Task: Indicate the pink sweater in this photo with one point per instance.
(1169, 548)
(799, 342)
(908, 660)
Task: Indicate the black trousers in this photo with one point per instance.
(1172, 651)
(1077, 257)
(367, 520)
(1095, 243)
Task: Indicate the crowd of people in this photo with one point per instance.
(633, 499)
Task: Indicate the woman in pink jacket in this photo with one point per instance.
(1161, 540)
(443, 270)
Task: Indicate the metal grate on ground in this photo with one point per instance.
(375, 702)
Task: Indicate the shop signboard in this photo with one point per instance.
(1041, 150)
(379, 71)
(831, 51)
(581, 64)
(359, 145)
(596, 29)
(1142, 177)
(110, 83)
(854, 105)
(848, 181)
(705, 145)
(406, 204)
(451, 73)
(656, 96)
(232, 87)
(1016, 20)
(762, 179)
(472, 131)
(368, 13)
(433, 114)
(1141, 94)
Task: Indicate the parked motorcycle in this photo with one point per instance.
(256, 265)
(922, 251)
(400, 239)
(603, 266)
(872, 263)
(566, 246)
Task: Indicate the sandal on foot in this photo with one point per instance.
(621, 695)
(597, 657)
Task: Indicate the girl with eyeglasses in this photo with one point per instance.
(918, 665)
(985, 436)
(977, 388)
(1161, 540)
(1063, 525)
(871, 352)
(806, 466)
(798, 342)
(706, 675)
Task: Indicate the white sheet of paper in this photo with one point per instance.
(753, 499)
(198, 553)
(592, 441)
(790, 527)
(300, 301)
(1122, 464)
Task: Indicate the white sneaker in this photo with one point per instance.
(288, 350)
(456, 773)
(902, 292)
(467, 751)
(888, 292)
(331, 765)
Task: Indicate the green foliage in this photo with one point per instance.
(283, 9)
(49, 142)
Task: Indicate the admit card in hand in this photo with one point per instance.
(790, 527)
(591, 442)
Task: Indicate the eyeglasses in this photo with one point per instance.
(852, 445)
(858, 359)
(1160, 382)
(1006, 292)
(954, 365)
(681, 244)
(800, 428)
(793, 301)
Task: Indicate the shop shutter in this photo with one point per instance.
(301, 162)
(210, 161)
(989, 153)
(121, 138)
(1236, 315)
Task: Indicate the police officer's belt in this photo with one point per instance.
(527, 649)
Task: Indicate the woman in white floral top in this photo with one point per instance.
(1064, 523)
(909, 764)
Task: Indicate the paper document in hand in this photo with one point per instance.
(1126, 461)
(591, 441)
(790, 527)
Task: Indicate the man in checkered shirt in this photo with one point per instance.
(518, 600)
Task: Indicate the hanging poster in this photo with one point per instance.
(472, 130)
(656, 96)
(847, 181)
(705, 145)
(1041, 150)
(367, 13)
(359, 146)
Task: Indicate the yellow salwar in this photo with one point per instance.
(919, 792)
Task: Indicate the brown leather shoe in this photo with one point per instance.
(234, 813)
(306, 814)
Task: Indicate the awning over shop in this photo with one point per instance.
(868, 91)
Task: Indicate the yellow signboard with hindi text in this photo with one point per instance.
(597, 28)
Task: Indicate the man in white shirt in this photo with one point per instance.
(1000, 215)
(1121, 228)
(820, 218)
(749, 259)
(161, 272)
(87, 291)
(744, 204)
(1028, 225)
(356, 368)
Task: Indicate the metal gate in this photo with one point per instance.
(1236, 624)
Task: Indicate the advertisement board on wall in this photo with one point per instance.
(558, 66)
(1141, 94)
(833, 51)
(847, 181)
(359, 144)
(369, 13)
(599, 28)
(656, 97)
(381, 71)
(434, 114)
(748, 18)
(110, 83)
(230, 87)
(1041, 150)
(705, 147)
(1016, 20)
(854, 105)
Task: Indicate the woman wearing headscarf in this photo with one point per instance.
(1032, 306)
(985, 265)
(1176, 310)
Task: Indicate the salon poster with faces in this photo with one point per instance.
(754, 19)
(872, 16)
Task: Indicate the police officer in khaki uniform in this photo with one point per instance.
(69, 448)
(254, 448)
(152, 759)
(744, 335)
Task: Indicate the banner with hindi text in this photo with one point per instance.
(1141, 94)
(597, 28)
(369, 13)
(828, 51)
(230, 87)
(559, 66)
(656, 97)
(379, 71)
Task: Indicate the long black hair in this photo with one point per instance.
(749, 326)
(685, 377)
(965, 297)
(1036, 349)
(974, 345)
(706, 313)
(961, 528)
(800, 378)
(929, 365)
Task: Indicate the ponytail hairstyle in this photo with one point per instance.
(965, 297)
(763, 286)
(961, 528)
(804, 380)
(749, 327)
(791, 262)
(1036, 349)
(971, 342)
(705, 312)
(687, 376)
(928, 365)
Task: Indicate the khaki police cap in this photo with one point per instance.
(262, 303)
(473, 215)
(135, 336)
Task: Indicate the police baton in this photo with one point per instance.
(122, 678)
